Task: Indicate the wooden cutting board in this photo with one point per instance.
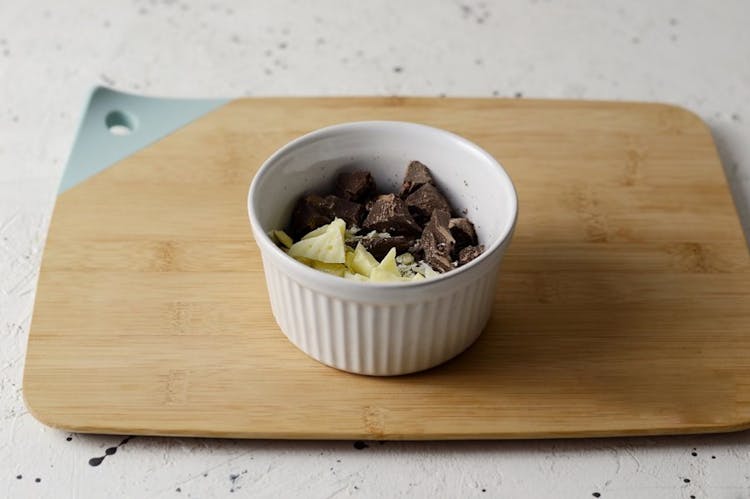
(623, 307)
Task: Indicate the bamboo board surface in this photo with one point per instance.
(623, 306)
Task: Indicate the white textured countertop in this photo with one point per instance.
(692, 53)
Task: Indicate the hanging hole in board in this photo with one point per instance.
(120, 123)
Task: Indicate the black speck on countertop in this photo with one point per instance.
(596, 494)
(18, 477)
(37, 480)
(686, 480)
(398, 69)
(96, 461)
(359, 445)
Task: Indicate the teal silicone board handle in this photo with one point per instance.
(116, 124)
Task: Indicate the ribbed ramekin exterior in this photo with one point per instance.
(381, 339)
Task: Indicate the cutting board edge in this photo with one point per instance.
(738, 426)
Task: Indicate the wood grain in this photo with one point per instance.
(623, 306)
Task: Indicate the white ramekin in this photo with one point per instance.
(394, 328)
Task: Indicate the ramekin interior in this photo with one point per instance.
(476, 185)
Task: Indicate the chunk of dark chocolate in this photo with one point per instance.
(424, 201)
(469, 253)
(380, 246)
(350, 212)
(310, 212)
(313, 211)
(355, 186)
(417, 175)
(437, 242)
(389, 214)
(463, 232)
